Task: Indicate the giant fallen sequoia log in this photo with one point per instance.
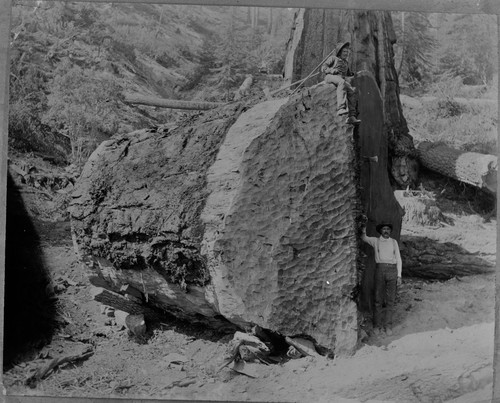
(242, 214)
(476, 169)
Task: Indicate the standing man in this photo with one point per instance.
(336, 71)
(387, 276)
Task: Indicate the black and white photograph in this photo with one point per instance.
(229, 202)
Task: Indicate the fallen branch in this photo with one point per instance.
(44, 371)
(170, 103)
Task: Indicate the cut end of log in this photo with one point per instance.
(479, 170)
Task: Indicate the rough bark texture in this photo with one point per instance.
(377, 198)
(426, 258)
(248, 215)
(476, 169)
(315, 34)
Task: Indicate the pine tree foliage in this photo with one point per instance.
(414, 47)
(471, 51)
(82, 104)
(71, 61)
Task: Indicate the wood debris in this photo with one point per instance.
(47, 369)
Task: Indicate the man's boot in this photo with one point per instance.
(352, 120)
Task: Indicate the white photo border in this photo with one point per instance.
(491, 7)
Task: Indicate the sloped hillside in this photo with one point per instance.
(72, 65)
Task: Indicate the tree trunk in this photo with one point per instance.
(377, 198)
(315, 34)
(476, 169)
(169, 103)
(403, 46)
(383, 132)
(270, 21)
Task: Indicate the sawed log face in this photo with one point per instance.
(248, 215)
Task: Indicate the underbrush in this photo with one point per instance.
(467, 123)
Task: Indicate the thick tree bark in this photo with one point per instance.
(476, 169)
(433, 260)
(376, 195)
(316, 33)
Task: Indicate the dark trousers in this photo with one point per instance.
(386, 280)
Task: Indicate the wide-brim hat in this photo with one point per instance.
(340, 46)
(379, 227)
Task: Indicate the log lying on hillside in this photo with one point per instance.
(418, 102)
(476, 169)
(243, 215)
(169, 103)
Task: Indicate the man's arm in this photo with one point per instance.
(368, 239)
(330, 65)
(399, 263)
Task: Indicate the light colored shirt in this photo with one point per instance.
(386, 250)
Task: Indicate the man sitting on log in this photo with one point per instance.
(337, 72)
(387, 276)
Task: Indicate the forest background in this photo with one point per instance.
(72, 65)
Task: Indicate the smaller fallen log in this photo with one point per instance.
(418, 102)
(170, 103)
(430, 259)
(122, 303)
(476, 169)
(443, 272)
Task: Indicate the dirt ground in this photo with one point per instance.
(441, 350)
